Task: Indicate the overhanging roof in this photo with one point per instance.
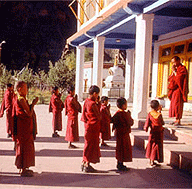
(119, 23)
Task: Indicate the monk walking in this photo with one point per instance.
(91, 118)
(23, 132)
(56, 106)
(178, 89)
(72, 108)
(7, 105)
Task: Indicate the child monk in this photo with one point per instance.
(155, 121)
(23, 130)
(105, 132)
(91, 118)
(56, 106)
(122, 122)
(7, 105)
(72, 107)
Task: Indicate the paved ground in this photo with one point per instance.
(59, 167)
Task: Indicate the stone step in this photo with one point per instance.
(181, 133)
(176, 154)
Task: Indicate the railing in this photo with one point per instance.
(88, 8)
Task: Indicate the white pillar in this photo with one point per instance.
(98, 56)
(129, 74)
(155, 71)
(80, 51)
(144, 31)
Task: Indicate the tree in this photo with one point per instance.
(70, 60)
(60, 75)
(41, 79)
(26, 75)
(5, 77)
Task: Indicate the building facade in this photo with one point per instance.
(151, 32)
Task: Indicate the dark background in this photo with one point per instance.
(35, 32)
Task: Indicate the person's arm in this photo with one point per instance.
(28, 109)
(147, 123)
(96, 111)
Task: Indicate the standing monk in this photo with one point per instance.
(91, 118)
(56, 106)
(72, 107)
(7, 105)
(178, 89)
(23, 133)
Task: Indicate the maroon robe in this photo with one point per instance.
(72, 107)
(178, 90)
(91, 118)
(7, 105)
(122, 122)
(105, 122)
(154, 150)
(56, 106)
(23, 136)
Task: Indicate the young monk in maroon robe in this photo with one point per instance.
(91, 118)
(105, 132)
(155, 122)
(72, 108)
(56, 106)
(7, 105)
(178, 89)
(122, 122)
(23, 130)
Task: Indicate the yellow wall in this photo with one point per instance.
(183, 49)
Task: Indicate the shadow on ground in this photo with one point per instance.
(135, 178)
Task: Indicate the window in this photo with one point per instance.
(179, 49)
(189, 47)
(166, 51)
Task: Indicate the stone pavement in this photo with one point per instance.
(59, 167)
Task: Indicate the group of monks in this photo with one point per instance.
(21, 121)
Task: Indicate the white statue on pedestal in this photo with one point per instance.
(115, 82)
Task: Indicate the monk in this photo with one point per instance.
(122, 122)
(105, 132)
(56, 106)
(72, 108)
(91, 118)
(154, 121)
(23, 130)
(178, 89)
(7, 105)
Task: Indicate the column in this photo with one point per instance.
(155, 71)
(98, 56)
(129, 75)
(144, 31)
(80, 52)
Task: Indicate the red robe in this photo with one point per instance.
(178, 90)
(7, 105)
(154, 150)
(23, 136)
(56, 106)
(72, 107)
(91, 118)
(105, 122)
(122, 122)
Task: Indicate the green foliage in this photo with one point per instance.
(70, 60)
(26, 75)
(88, 55)
(5, 77)
(41, 79)
(60, 75)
